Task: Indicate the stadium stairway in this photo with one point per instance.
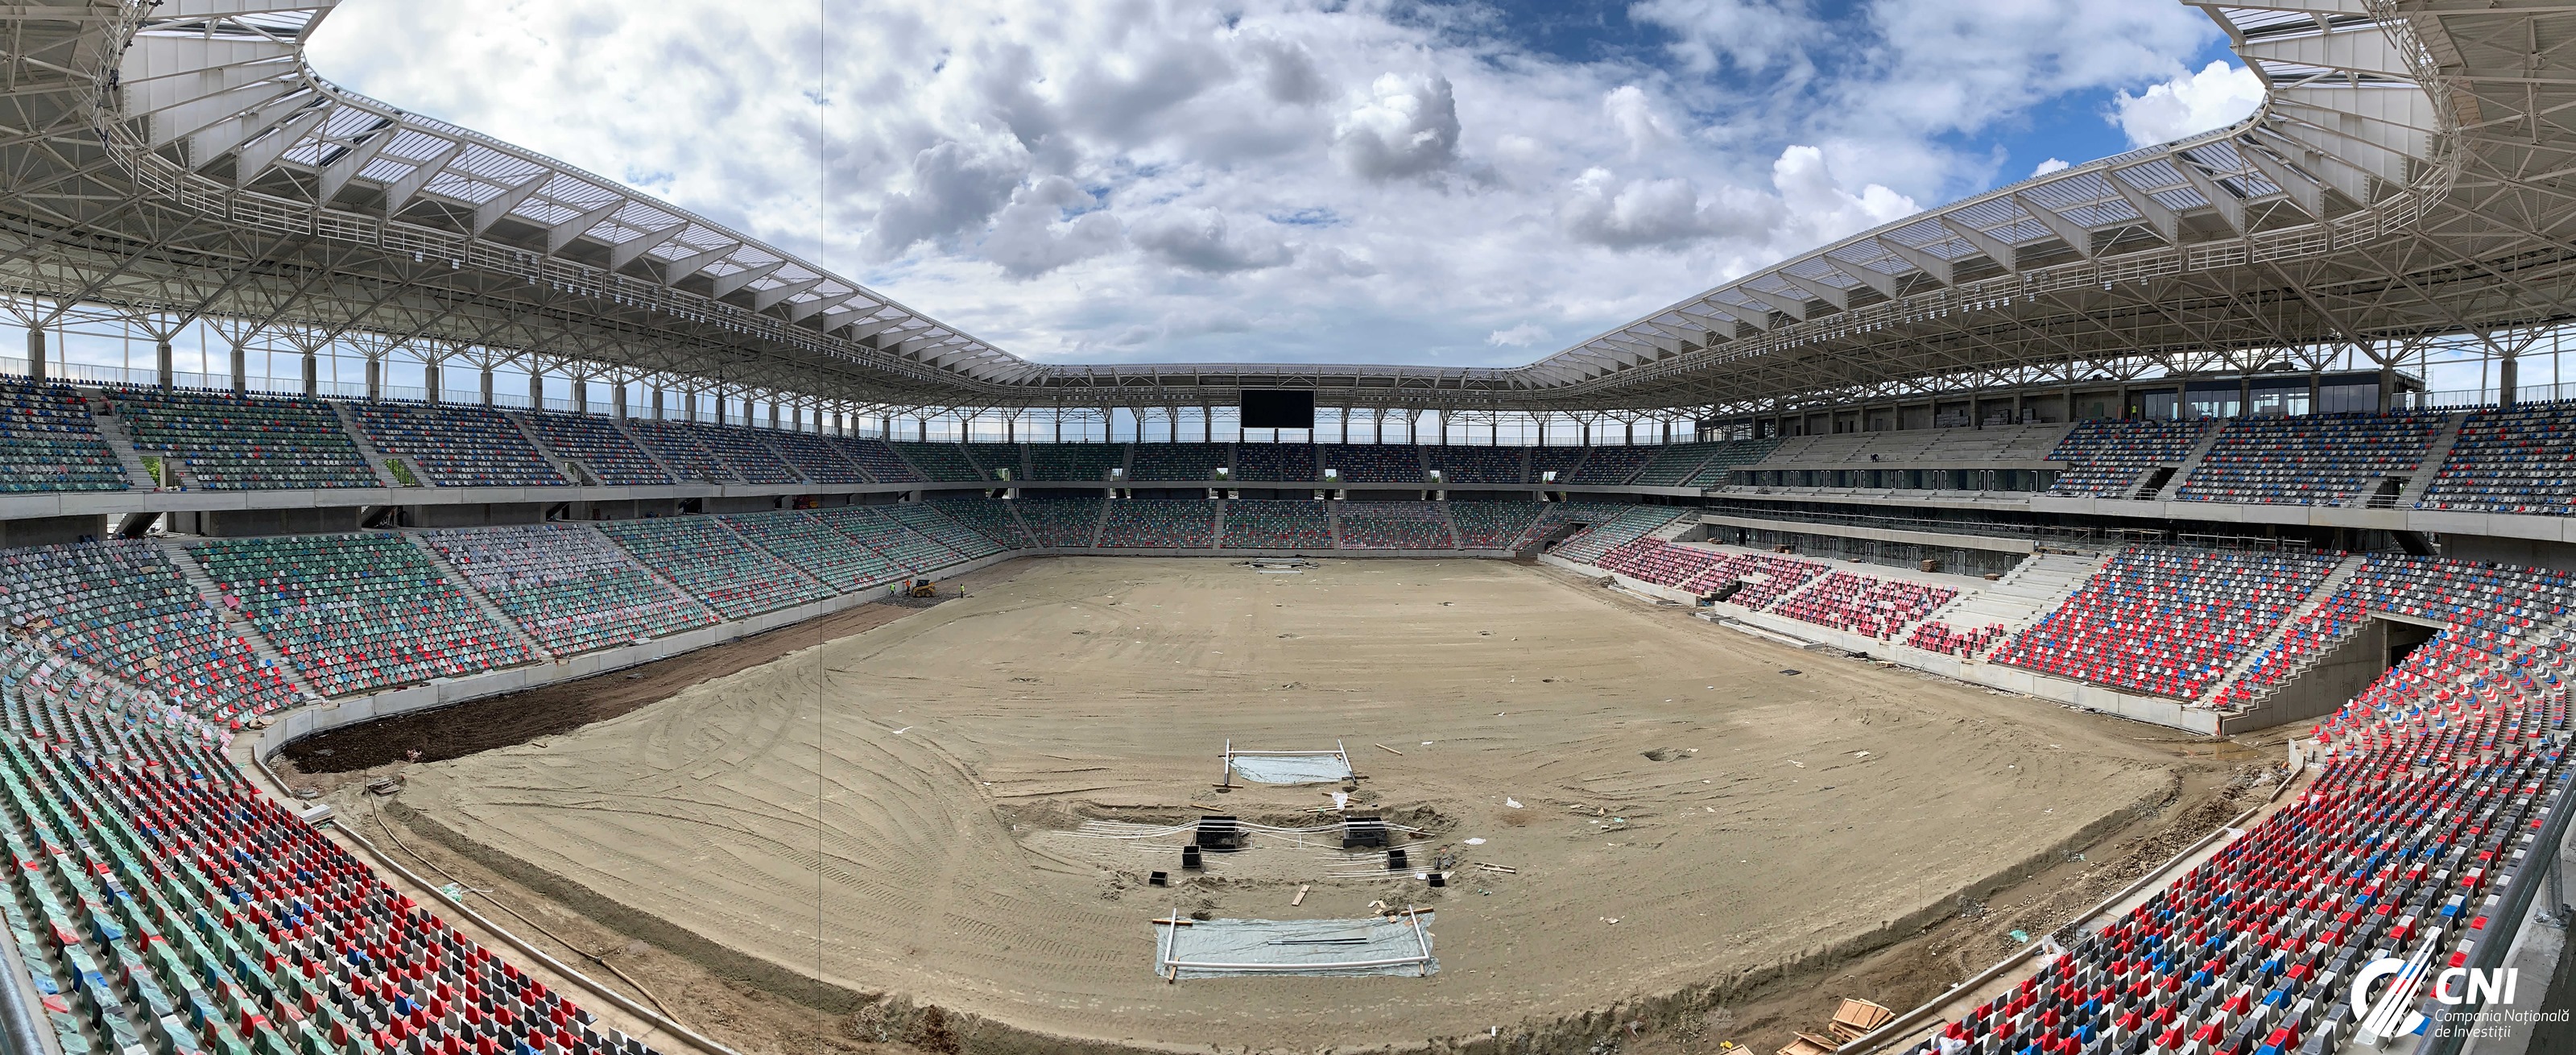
(119, 441)
(649, 454)
(1456, 537)
(1333, 520)
(177, 552)
(2190, 464)
(2033, 587)
(1219, 518)
(570, 468)
(2334, 581)
(376, 459)
(465, 587)
(2434, 457)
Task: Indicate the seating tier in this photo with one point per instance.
(567, 586)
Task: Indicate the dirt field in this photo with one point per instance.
(905, 790)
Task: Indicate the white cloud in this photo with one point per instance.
(1603, 210)
(2048, 166)
(1407, 127)
(1029, 238)
(1267, 179)
(2189, 104)
(1201, 240)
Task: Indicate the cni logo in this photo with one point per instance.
(2453, 986)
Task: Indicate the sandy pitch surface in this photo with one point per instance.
(906, 789)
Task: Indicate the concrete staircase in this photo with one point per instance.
(569, 468)
(2335, 581)
(649, 453)
(2033, 587)
(1456, 537)
(2190, 463)
(376, 459)
(1333, 519)
(112, 429)
(213, 595)
(481, 603)
(1218, 539)
(2434, 456)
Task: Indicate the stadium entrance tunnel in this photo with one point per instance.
(2342, 672)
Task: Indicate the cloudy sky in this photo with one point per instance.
(1465, 183)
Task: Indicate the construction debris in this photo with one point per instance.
(1857, 1018)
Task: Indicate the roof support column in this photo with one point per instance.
(580, 395)
(162, 372)
(429, 371)
(2508, 378)
(375, 377)
(312, 373)
(36, 351)
(657, 402)
(487, 384)
(241, 369)
(536, 388)
(617, 400)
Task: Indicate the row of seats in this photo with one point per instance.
(903, 549)
(1936, 636)
(715, 564)
(1061, 522)
(1075, 461)
(2437, 777)
(821, 459)
(122, 606)
(1492, 525)
(814, 543)
(600, 447)
(2515, 460)
(49, 441)
(2110, 459)
(161, 903)
(1608, 466)
(456, 446)
(994, 521)
(1373, 463)
(1623, 525)
(1868, 605)
(2309, 460)
(1395, 525)
(1159, 523)
(1277, 461)
(743, 454)
(1177, 461)
(1758, 579)
(2166, 621)
(1257, 524)
(943, 462)
(2475, 598)
(931, 520)
(880, 461)
(226, 442)
(357, 612)
(567, 586)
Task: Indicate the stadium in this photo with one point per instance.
(2061, 622)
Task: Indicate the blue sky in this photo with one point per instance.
(1463, 183)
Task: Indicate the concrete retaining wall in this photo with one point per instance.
(2010, 679)
(305, 721)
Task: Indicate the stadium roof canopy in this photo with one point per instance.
(2412, 174)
